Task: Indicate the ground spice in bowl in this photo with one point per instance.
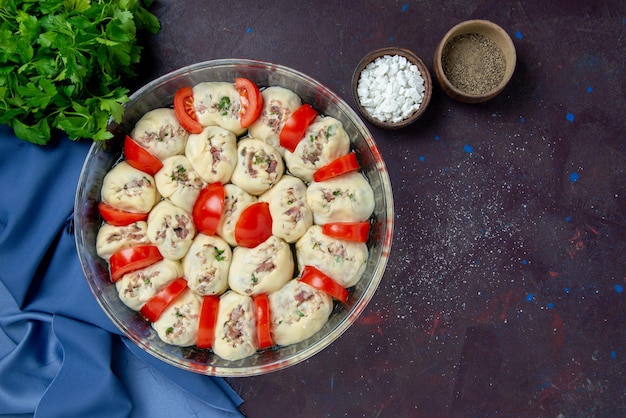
(473, 63)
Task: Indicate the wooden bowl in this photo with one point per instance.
(413, 59)
(474, 61)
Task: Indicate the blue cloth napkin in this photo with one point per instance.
(60, 355)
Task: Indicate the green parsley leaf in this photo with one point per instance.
(37, 134)
(77, 5)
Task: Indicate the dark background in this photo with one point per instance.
(504, 290)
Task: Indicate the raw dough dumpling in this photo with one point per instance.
(178, 324)
(291, 214)
(259, 166)
(171, 229)
(278, 105)
(112, 238)
(179, 182)
(217, 103)
(346, 198)
(298, 311)
(324, 140)
(213, 154)
(137, 287)
(206, 265)
(262, 269)
(127, 188)
(344, 261)
(159, 132)
(235, 329)
(235, 201)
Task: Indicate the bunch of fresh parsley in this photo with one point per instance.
(63, 64)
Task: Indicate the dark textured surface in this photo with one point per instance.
(504, 291)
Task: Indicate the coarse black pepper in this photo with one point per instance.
(473, 63)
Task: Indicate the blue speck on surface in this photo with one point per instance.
(468, 148)
(619, 288)
(550, 305)
(519, 35)
(405, 7)
(249, 30)
(421, 158)
(589, 89)
(522, 119)
(569, 117)
(530, 297)
(437, 138)
(573, 177)
(524, 262)
(613, 354)
(391, 39)
(568, 219)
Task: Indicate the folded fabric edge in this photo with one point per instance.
(228, 402)
(85, 384)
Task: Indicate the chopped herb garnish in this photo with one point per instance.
(179, 173)
(169, 330)
(330, 131)
(219, 254)
(261, 158)
(299, 313)
(224, 105)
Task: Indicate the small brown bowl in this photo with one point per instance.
(474, 61)
(392, 52)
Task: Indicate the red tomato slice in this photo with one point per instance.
(119, 217)
(350, 231)
(207, 210)
(337, 167)
(184, 110)
(139, 158)
(208, 316)
(254, 225)
(251, 101)
(293, 130)
(315, 278)
(154, 307)
(262, 310)
(131, 259)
